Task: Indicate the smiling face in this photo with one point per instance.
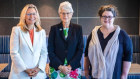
(65, 16)
(30, 16)
(107, 18)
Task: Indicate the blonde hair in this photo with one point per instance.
(66, 6)
(22, 22)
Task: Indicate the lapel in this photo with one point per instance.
(36, 38)
(70, 32)
(60, 29)
(28, 40)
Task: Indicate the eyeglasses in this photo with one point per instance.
(29, 14)
(109, 17)
(68, 13)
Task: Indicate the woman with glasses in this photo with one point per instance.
(108, 53)
(28, 46)
(65, 46)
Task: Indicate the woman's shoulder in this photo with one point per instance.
(42, 31)
(15, 28)
(56, 25)
(123, 34)
(76, 25)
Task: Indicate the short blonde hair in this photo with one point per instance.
(22, 22)
(66, 6)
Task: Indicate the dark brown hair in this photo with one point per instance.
(110, 7)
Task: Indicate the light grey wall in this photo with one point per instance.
(85, 14)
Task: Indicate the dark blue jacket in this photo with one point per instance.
(60, 48)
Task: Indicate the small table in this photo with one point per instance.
(135, 69)
(2, 66)
(134, 72)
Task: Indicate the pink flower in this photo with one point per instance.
(74, 74)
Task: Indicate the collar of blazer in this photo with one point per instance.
(60, 28)
(28, 40)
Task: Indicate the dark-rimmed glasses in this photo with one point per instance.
(31, 14)
(109, 17)
(67, 13)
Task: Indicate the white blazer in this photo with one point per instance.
(24, 55)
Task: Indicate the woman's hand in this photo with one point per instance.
(86, 74)
(126, 67)
(124, 77)
(32, 72)
(69, 66)
(35, 71)
(47, 69)
(64, 69)
(86, 67)
(29, 72)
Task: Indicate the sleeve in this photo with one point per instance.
(51, 49)
(128, 47)
(87, 45)
(79, 52)
(19, 64)
(44, 53)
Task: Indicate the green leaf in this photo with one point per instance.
(52, 69)
(65, 62)
(54, 75)
(62, 75)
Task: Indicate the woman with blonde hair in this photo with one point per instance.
(28, 46)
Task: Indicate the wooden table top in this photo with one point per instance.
(2, 66)
(135, 69)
